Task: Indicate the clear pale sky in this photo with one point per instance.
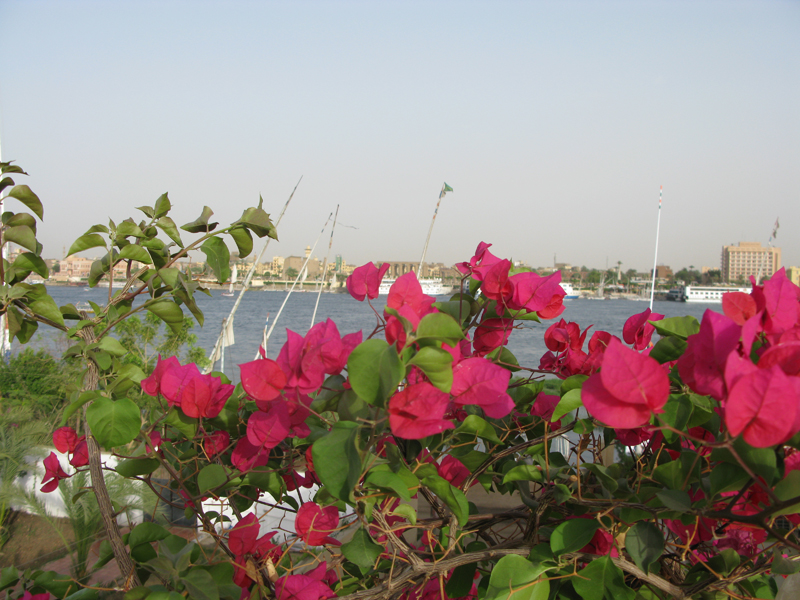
(554, 122)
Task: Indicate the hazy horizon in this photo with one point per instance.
(554, 122)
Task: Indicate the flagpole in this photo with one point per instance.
(767, 251)
(435, 212)
(655, 258)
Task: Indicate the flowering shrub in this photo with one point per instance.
(681, 478)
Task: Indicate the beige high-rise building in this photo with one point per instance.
(747, 258)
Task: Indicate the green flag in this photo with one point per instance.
(445, 189)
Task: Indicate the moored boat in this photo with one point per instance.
(570, 292)
(709, 294)
(431, 287)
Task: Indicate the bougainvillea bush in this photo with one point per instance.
(420, 460)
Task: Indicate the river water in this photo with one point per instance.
(527, 343)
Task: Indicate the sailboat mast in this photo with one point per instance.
(655, 258)
(325, 267)
(768, 252)
(445, 188)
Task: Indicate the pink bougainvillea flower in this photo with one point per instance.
(365, 281)
(302, 587)
(314, 524)
(762, 406)
(633, 437)
(418, 411)
(781, 303)
(535, 293)
(243, 541)
(216, 442)
(497, 286)
(246, 456)
(80, 456)
(324, 343)
(53, 473)
(627, 390)
(739, 307)
(453, 470)
(703, 363)
(155, 441)
(407, 292)
(174, 378)
(480, 263)
(786, 356)
(544, 406)
(204, 396)
(638, 330)
(601, 544)
(152, 385)
(262, 379)
(268, 428)
(28, 596)
(491, 334)
(562, 335)
(481, 382)
(65, 439)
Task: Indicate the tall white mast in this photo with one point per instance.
(655, 258)
(445, 188)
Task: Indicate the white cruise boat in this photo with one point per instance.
(431, 287)
(708, 294)
(570, 292)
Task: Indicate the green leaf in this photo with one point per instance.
(85, 242)
(186, 425)
(375, 371)
(135, 252)
(128, 229)
(162, 206)
(9, 577)
(677, 412)
(475, 425)
(668, 349)
(168, 226)
(675, 500)
(569, 402)
(133, 467)
(218, 258)
(440, 327)
(258, 221)
(267, 480)
(524, 473)
(336, 459)
(760, 460)
(21, 235)
(243, 240)
(28, 261)
(361, 550)
(114, 423)
(515, 578)
(727, 478)
(645, 543)
(574, 382)
(606, 480)
(112, 346)
(146, 532)
(24, 194)
(201, 224)
(210, 478)
(437, 364)
(406, 511)
(46, 307)
(456, 309)
(167, 311)
(572, 535)
(602, 578)
(454, 498)
(787, 489)
(389, 481)
(679, 327)
(200, 585)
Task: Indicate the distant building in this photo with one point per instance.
(793, 273)
(663, 273)
(748, 258)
